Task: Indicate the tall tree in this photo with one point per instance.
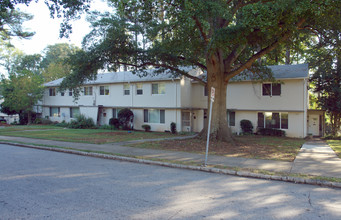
(224, 38)
(21, 92)
(23, 88)
(54, 64)
(325, 60)
(11, 19)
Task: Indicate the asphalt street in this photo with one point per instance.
(38, 184)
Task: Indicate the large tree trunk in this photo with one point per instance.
(216, 78)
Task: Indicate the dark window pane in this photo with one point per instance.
(276, 89)
(101, 90)
(284, 121)
(232, 118)
(260, 120)
(275, 120)
(145, 115)
(162, 116)
(266, 89)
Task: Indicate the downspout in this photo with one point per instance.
(305, 114)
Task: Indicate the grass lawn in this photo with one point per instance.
(26, 127)
(336, 145)
(253, 146)
(94, 136)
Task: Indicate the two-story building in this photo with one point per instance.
(159, 100)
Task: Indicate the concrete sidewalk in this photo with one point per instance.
(317, 158)
(314, 158)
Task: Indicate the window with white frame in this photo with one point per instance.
(115, 112)
(52, 91)
(139, 89)
(104, 90)
(154, 116)
(126, 89)
(271, 89)
(62, 93)
(70, 92)
(74, 112)
(276, 120)
(88, 90)
(158, 88)
(54, 111)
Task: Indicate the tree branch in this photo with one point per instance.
(201, 30)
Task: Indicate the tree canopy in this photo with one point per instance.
(325, 61)
(224, 38)
(53, 64)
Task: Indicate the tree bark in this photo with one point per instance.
(216, 78)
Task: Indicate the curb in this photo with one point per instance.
(297, 180)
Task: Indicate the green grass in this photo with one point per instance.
(94, 136)
(27, 128)
(336, 145)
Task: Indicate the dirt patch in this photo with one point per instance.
(242, 147)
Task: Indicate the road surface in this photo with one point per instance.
(38, 184)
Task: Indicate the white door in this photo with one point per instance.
(313, 125)
(186, 121)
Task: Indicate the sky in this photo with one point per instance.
(47, 29)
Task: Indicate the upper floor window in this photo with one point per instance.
(52, 91)
(139, 90)
(70, 92)
(88, 90)
(104, 90)
(158, 88)
(271, 89)
(62, 93)
(126, 89)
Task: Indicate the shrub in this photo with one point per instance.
(82, 122)
(45, 121)
(105, 127)
(37, 121)
(62, 124)
(146, 127)
(114, 122)
(126, 117)
(271, 132)
(173, 128)
(246, 126)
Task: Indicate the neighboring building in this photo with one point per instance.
(159, 100)
(9, 118)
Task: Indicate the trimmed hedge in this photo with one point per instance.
(146, 127)
(271, 132)
(246, 126)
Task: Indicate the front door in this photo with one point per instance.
(186, 121)
(313, 125)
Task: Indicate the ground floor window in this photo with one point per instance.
(74, 112)
(115, 112)
(231, 118)
(54, 111)
(154, 116)
(276, 120)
